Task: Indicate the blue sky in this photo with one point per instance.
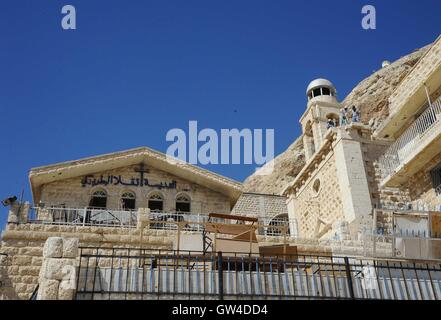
(135, 69)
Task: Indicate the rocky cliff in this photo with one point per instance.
(370, 95)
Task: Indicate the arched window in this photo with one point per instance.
(156, 202)
(279, 223)
(98, 200)
(334, 117)
(128, 201)
(183, 203)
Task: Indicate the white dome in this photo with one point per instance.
(385, 64)
(317, 83)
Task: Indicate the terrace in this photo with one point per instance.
(414, 148)
(159, 220)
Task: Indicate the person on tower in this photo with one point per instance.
(343, 116)
(355, 114)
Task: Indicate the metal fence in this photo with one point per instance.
(83, 216)
(158, 220)
(146, 274)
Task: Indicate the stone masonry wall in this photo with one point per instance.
(72, 194)
(323, 202)
(260, 205)
(328, 200)
(420, 188)
(22, 250)
(57, 278)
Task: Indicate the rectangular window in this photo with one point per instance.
(183, 206)
(128, 204)
(436, 179)
(156, 206)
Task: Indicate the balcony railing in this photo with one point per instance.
(399, 151)
(193, 222)
(83, 217)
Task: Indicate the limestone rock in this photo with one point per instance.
(70, 247)
(58, 269)
(53, 248)
(286, 167)
(371, 95)
(48, 290)
(66, 290)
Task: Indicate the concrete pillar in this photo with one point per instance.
(308, 145)
(57, 279)
(18, 213)
(352, 178)
(290, 203)
(317, 134)
(143, 218)
(322, 130)
(13, 213)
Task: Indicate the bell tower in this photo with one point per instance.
(322, 105)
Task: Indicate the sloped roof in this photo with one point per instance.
(76, 168)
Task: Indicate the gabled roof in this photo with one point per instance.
(77, 168)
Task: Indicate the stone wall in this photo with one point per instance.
(415, 79)
(320, 198)
(57, 278)
(72, 194)
(341, 184)
(22, 249)
(421, 190)
(21, 262)
(260, 205)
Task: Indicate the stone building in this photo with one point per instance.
(363, 191)
(335, 187)
(137, 178)
(355, 178)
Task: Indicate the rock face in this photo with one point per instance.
(370, 95)
(286, 167)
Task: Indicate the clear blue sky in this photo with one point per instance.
(135, 69)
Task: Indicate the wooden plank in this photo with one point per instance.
(232, 229)
(232, 217)
(278, 250)
(248, 235)
(230, 247)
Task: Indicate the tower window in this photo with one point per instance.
(98, 200)
(326, 91)
(183, 204)
(317, 92)
(156, 202)
(128, 201)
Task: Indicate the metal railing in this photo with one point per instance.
(275, 227)
(83, 217)
(146, 274)
(128, 219)
(402, 247)
(398, 152)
